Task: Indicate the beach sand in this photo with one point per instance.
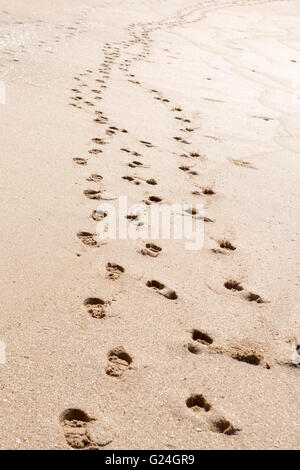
(193, 103)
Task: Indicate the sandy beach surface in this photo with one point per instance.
(143, 344)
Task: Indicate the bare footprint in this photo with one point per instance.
(215, 422)
(201, 337)
(95, 307)
(83, 432)
(244, 353)
(233, 285)
(95, 151)
(92, 194)
(221, 425)
(197, 402)
(80, 161)
(118, 362)
(95, 178)
(247, 295)
(226, 245)
(243, 164)
(151, 250)
(88, 238)
(98, 215)
(162, 290)
(114, 271)
(75, 427)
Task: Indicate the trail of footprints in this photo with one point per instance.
(76, 423)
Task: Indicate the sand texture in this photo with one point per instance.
(143, 344)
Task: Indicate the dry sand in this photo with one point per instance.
(212, 368)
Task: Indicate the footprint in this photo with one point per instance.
(80, 161)
(192, 348)
(83, 432)
(75, 426)
(243, 164)
(114, 271)
(221, 425)
(201, 337)
(154, 199)
(226, 245)
(214, 421)
(233, 285)
(245, 354)
(263, 117)
(88, 238)
(147, 144)
(95, 178)
(151, 250)
(250, 296)
(118, 362)
(208, 191)
(95, 307)
(98, 215)
(92, 194)
(197, 403)
(99, 141)
(162, 290)
(95, 151)
(135, 164)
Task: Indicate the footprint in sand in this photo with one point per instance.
(114, 271)
(247, 295)
(92, 194)
(80, 161)
(147, 144)
(224, 247)
(99, 141)
(246, 353)
(138, 180)
(198, 404)
(95, 178)
(118, 362)
(96, 307)
(151, 250)
(243, 164)
(233, 285)
(201, 337)
(208, 191)
(98, 215)
(153, 199)
(83, 432)
(95, 151)
(162, 290)
(88, 238)
(135, 164)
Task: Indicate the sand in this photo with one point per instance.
(96, 357)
